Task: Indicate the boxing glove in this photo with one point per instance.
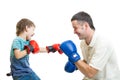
(54, 48)
(70, 67)
(32, 47)
(69, 48)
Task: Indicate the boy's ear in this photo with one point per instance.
(26, 28)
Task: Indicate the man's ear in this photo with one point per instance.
(86, 25)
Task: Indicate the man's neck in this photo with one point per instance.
(89, 37)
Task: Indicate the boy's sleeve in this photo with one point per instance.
(16, 44)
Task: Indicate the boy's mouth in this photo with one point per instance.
(32, 35)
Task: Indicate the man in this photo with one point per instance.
(99, 60)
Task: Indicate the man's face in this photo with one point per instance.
(79, 29)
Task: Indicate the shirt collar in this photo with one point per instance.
(92, 43)
(26, 42)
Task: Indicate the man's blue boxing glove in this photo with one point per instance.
(70, 67)
(69, 48)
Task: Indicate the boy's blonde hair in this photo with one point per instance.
(21, 25)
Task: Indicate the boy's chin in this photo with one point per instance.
(28, 39)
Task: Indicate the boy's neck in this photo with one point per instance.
(22, 35)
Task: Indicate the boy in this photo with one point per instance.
(21, 47)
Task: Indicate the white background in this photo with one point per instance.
(53, 25)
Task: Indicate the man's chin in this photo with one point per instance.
(80, 38)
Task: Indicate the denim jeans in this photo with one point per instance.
(31, 76)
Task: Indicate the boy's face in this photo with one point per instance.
(30, 32)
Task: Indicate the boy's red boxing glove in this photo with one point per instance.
(54, 48)
(32, 47)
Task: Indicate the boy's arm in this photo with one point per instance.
(53, 48)
(43, 50)
(19, 54)
(34, 48)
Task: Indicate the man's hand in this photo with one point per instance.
(69, 48)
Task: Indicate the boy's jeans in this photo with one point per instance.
(31, 76)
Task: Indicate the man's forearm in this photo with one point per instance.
(86, 69)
